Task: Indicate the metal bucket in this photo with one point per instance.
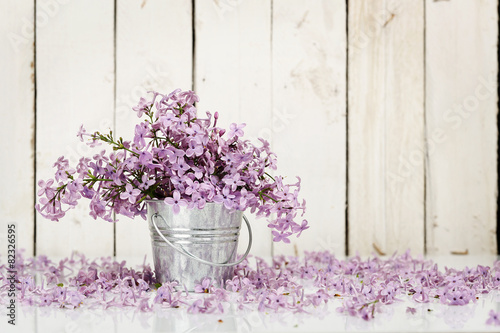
(195, 243)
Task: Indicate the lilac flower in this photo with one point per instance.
(167, 120)
(163, 294)
(176, 202)
(174, 150)
(225, 197)
(81, 132)
(367, 311)
(45, 188)
(388, 292)
(496, 279)
(234, 181)
(368, 291)
(199, 199)
(195, 148)
(100, 158)
(46, 300)
(146, 182)
(458, 297)
(189, 97)
(308, 272)
(197, 307)
(61, 163)
(299, 228)
(454, 280)
(144, 305)
(276, 300)
(236, 130)
(27, 284)
(193, 186)
(97, 208)
(421, 295)
(204, 287)
(320, 297)
(494, 318)
(140, 136)
(83, 165)
(281, 236)
(141, 107)
(53, 210)
(181, 166)
(130, 162)
(411, 310)
(59, 293)
(130, 193)
(74, 299)
(234, 284)
(362, 286)
(86, 278)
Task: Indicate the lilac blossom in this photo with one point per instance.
(142, 107)
(235, 130)
(411, 310)
(204, 286)
(178, 156)
(45, 188)
(494, 318)
(357, 287)
(176, 202)
(130, 193)
(281, 236)
(234, 181)
(225, 197)
(299, 228)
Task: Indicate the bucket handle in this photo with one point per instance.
(182, 250)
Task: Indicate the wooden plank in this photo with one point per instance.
(386, 126)
(153, 52)
(75, 85)
(309, 109)
(461, 114)
(17, 125)
(233, 77)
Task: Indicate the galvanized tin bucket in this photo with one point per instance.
(195, 243)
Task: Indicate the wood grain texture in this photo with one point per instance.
(153, 52)
(280, 67)
(461, 114)
(75, 80)
(386, 126)
(309, 118)
(17, 126)
(233, 77)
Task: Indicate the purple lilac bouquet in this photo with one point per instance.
(179, 158)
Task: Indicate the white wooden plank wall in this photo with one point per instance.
(75, 85)
(233, 77)
(16, 128)
(386, 126)
(161, 62)
(461, 114)
(342, 89)
(309, 99)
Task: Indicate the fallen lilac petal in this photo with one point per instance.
(411, 310)
(360, 287)
(494, 318)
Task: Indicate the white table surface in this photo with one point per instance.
(430, 317)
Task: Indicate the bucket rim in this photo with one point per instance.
(148, 201)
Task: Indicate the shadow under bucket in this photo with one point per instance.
(195, 243)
